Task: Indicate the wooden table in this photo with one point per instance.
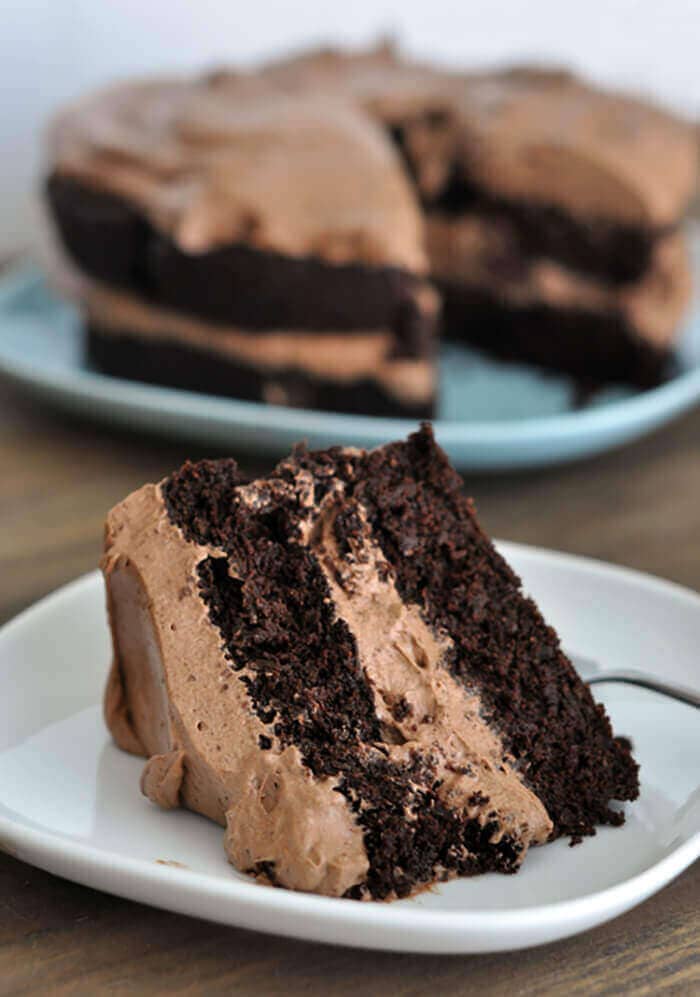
(639, 507)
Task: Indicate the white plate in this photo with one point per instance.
(491, 415)
(70, 803)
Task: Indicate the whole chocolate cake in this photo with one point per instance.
(335, 663)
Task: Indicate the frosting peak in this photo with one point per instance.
(421, 706)
(553, 139)
(211, 168)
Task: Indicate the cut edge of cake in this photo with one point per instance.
(335, 663)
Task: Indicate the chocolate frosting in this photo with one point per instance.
(117, 714)
(524, 133)
(341, 357)
(192, 715)
(555, 140)
(162, 778)
(213, 165)
(390, 87)
(482, 252)
(173, 691)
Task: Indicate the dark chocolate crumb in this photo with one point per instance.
(269, 598)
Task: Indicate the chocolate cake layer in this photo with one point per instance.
(594, 246)
(535, 310)
(238, 285)
(386, 709)
(172, 364)
(443, 561)
(338, 370)
(592, 347)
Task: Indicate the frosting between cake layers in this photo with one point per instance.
(404, 663)
(180, 699)
(482, 252)
(175, 698)
(341, 357)
(421, 706)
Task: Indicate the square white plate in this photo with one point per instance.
(70, 801)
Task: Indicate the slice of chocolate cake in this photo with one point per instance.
(334, 663)
(247, 243)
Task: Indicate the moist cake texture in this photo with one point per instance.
(335, 664)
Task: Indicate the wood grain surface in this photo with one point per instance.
(639, 506)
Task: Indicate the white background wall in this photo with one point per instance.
(50, 50)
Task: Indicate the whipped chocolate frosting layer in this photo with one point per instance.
(339, 357)
(554, 139)
(212, 165)
(525, 133)
(480, 251)
(404, 662)
(179, 703)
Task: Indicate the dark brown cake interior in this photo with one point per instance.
(445, 562)
(236, 285)
(302, 668)
(593, 347)
(612, 251)
(177, 365)
(308, 686)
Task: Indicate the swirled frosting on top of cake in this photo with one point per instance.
(212, 165)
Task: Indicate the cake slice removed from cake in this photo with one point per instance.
(335, 663)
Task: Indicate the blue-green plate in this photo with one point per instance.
(492, 416)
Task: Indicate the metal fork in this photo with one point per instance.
(592, 673)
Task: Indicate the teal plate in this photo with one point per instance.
(492, 416)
